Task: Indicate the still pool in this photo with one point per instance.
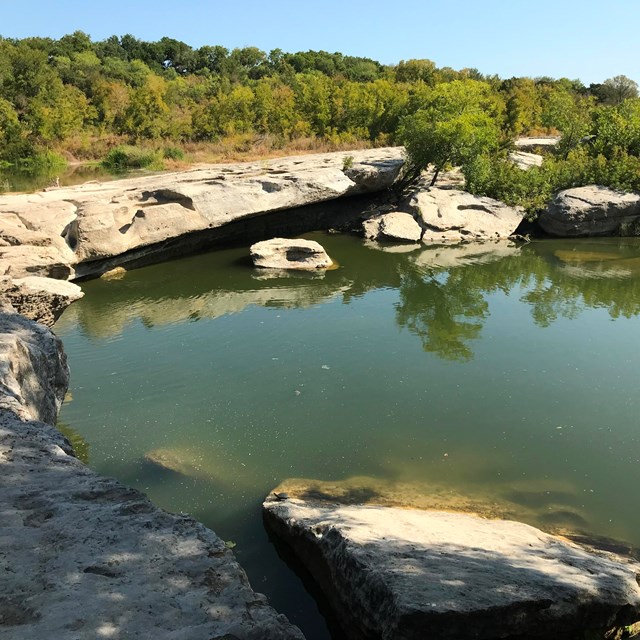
(500, 374)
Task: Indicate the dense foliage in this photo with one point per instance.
(95, 100)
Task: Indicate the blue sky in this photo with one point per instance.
(587, 39)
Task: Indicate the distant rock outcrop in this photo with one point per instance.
(592, 211)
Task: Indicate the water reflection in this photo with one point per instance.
(443, 291)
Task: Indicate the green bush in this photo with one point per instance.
(499, 178)
(173, 153)
(127, 157)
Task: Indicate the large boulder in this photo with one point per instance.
(87, 229)
(592, 211)
(450, 215)
(284, 253)
(404, 574)
(396, 226)
(84, 557)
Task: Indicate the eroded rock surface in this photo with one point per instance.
(405, 573)
(396, 226)
(592, 211)
(83, 557)
(39, 299)
(76, 231)
(285, 253)
(450, 215)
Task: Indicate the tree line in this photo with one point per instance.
(68, 94)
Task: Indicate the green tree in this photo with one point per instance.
(458, 122)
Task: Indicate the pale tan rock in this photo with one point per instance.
(395, 227)
(592, 211)
(82, 226)
(114, 274)
(285, 253)
(449, 215)
(39, 299)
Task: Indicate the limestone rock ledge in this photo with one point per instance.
(71, 232)
(400, 574)
(82, 556)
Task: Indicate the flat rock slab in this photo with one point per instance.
(592, 211)
(285, 253)
(84, 557)
(450, 215)
(400, 574)
(69, 232)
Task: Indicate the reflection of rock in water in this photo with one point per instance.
(461, 255)
(101, 322)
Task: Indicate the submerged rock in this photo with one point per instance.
(592, 211)
(449, 215)
(85, 557)
(402, 574)
(395, 227)
(284, 253)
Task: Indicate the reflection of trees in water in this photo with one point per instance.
(445, 314)
(447, 306)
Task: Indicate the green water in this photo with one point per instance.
(504, 374)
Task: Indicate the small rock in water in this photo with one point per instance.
(114, 274)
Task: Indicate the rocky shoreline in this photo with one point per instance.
(85, 557)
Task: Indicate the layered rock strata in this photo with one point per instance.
(83, 557)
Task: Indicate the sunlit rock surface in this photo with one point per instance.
(449, 215)
(284, 253)
(83, 557)
(76, 230)
(395, 227)
(592, 211)
(397, 573)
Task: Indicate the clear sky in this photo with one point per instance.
(587, 39)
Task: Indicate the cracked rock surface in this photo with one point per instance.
(450, 215)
